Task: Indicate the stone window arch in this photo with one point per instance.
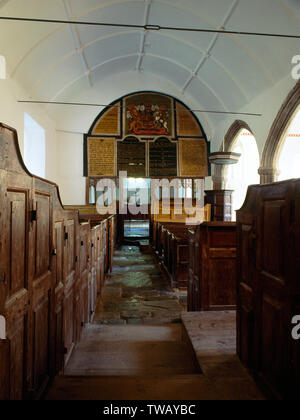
(268, 170)
(238, 177)
(219, 176)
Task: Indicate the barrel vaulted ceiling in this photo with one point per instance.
(58, 62)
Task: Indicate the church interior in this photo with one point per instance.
(149, 200)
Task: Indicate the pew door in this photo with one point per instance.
(69, 281)
(247, 287)
(84, 271)
(42, 276)
(275, 224)
(58, 244)
(14, 284)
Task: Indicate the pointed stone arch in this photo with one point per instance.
(219, 180)
(268, 170)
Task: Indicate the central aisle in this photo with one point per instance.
(136, 292)
(139, 349)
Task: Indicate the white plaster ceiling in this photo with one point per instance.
(55, 62)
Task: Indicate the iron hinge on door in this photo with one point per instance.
(33, 216)
(33, 212)
(66, 234)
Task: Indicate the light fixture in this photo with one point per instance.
(224, 158)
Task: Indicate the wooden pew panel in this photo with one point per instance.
(212, 271)
(269, 287)
(46, 266)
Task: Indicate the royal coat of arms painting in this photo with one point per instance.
(149, 114)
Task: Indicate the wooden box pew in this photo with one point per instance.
(93, 278)
(178, 256)
(45, 261)
(155, 236)
(89, 214)
(268, 227)
(159, 221)
(82, 309)
(113, 238)
(173, 252)
(111, 227)
(212, 267)
(194, 270)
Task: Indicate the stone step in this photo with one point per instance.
(131, 358)
(132, 350)
(101, 333)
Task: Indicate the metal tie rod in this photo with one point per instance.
(148, 27)
(121, 106)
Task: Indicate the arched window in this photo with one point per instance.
(274, 153)
(288, 159)
(245, 173)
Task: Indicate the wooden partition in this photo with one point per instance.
(51, 269)
(170, 241)
(171, 248)
(212, 267)
(269, 286)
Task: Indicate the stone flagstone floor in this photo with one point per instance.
(136, 292)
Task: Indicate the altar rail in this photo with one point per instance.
(51, 270)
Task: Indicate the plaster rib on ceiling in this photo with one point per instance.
(114, 2)
(77, 43)
(226, 71)
(210, 47)
(141, 52)
(216, 96)
(287, 9)
(44, 75)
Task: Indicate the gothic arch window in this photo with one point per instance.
(269, 170)
(288, 153)
(245, 173)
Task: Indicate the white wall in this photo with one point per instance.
(70, 146)
(79, 119)
(64, 150)
(70, 178)
(12, 114)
